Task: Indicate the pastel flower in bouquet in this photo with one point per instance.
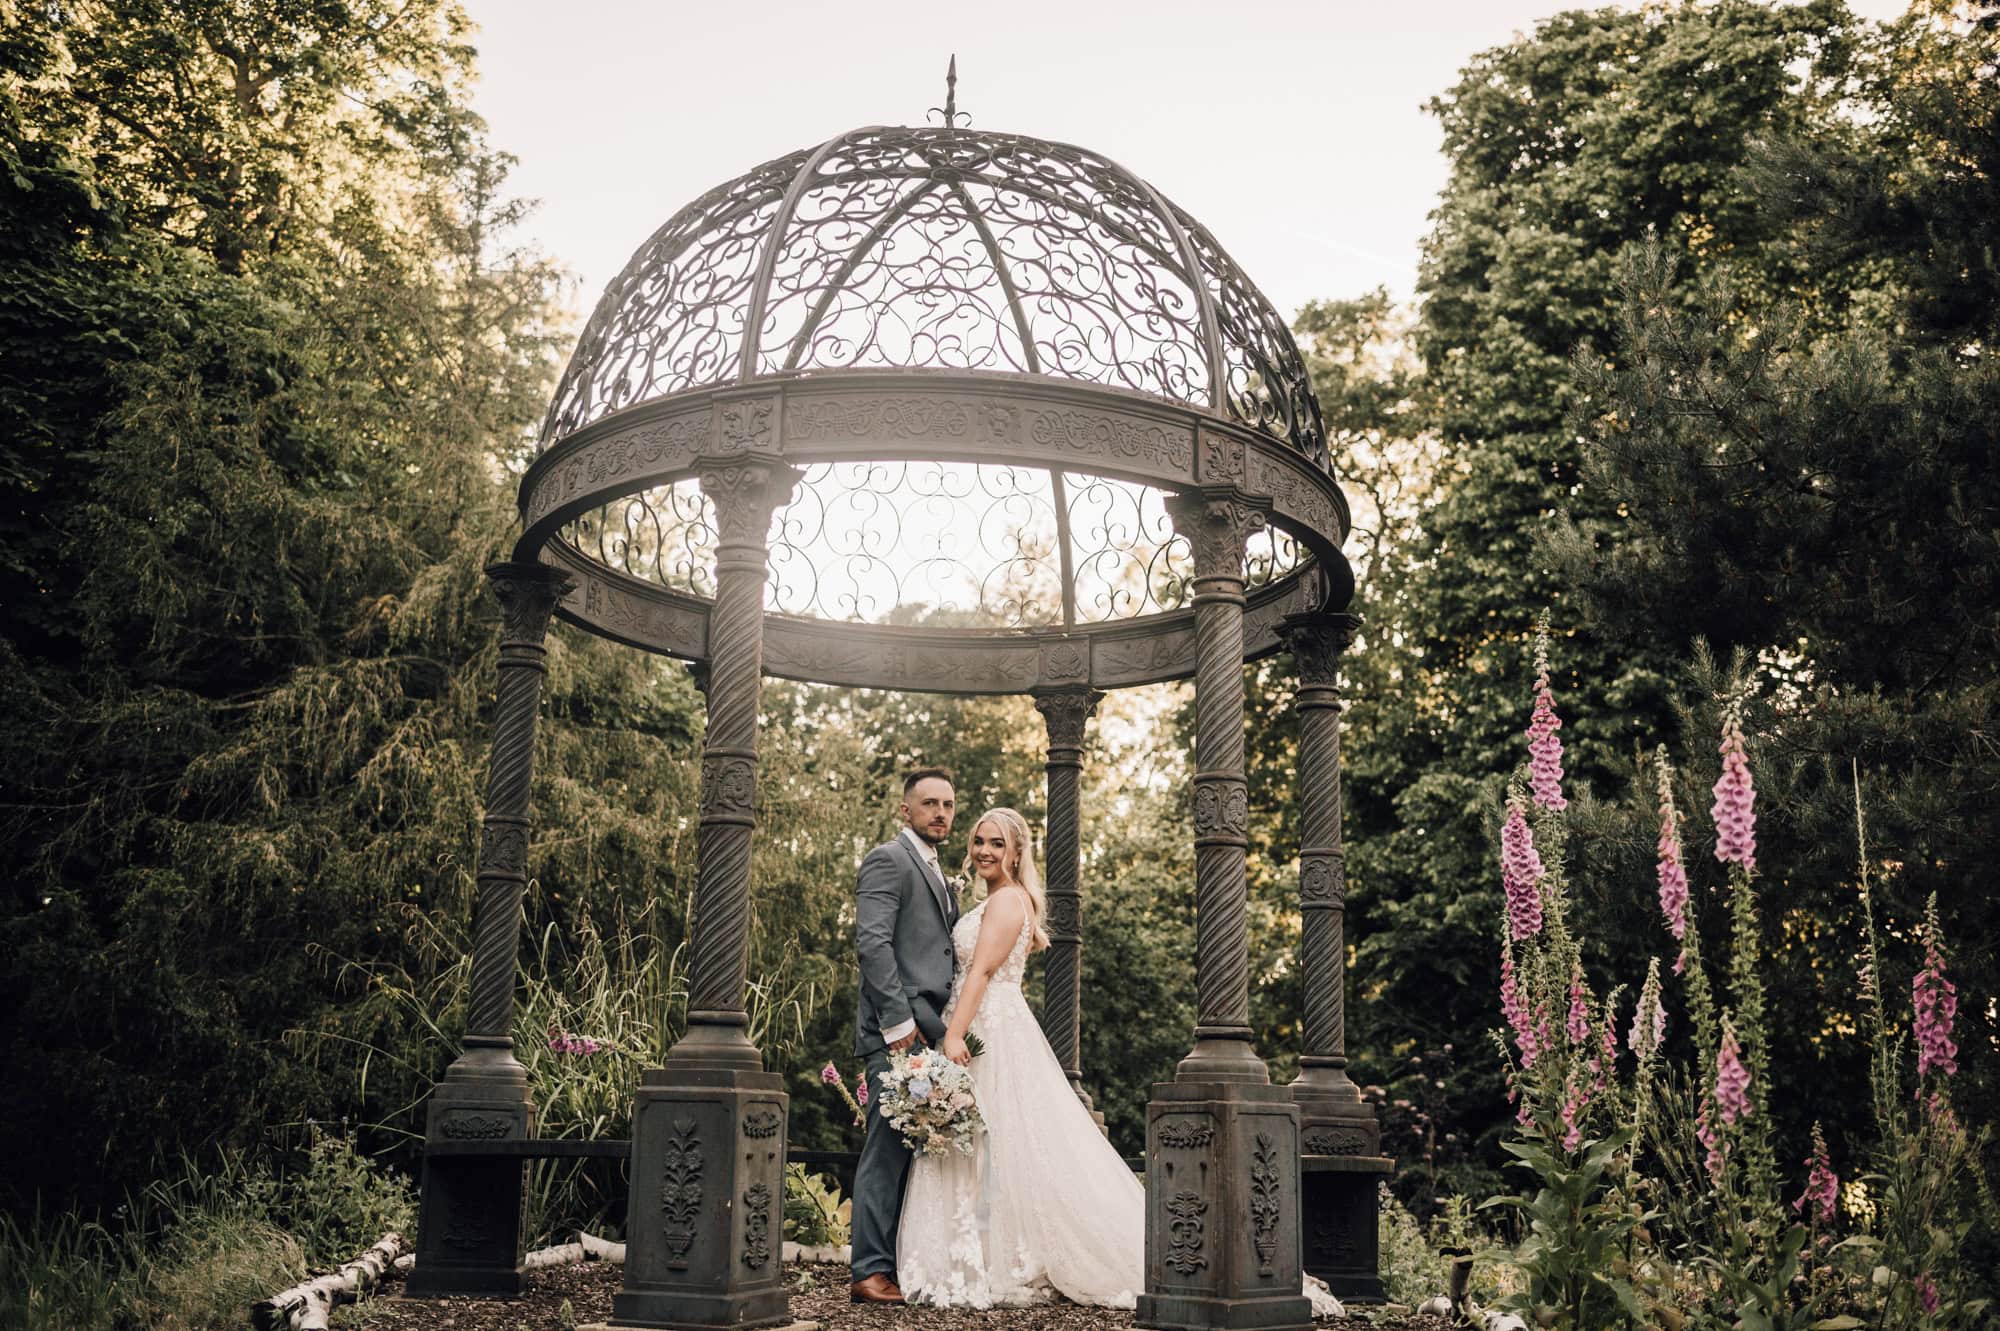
(929, 1099)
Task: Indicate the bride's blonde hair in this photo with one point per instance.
(1020, 847)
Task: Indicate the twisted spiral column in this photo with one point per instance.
(744, 495)
(1217, 526)
(1065, 712)
(528, 594)
(1317, 641)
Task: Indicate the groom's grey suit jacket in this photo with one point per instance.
(902, 933)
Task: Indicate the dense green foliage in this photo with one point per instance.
(1704, 353)
(1562, 402)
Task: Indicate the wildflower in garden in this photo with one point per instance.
(1571, 1110)
(1544, 749)
(1649, 1019)
(1673, 874)
(1822, 1186)
(861, 1089)
(830, 1074)
(562, 1042)
(1735, 799)
(1606, 1058)
(1927, 1295)
(1711, 1141)
(1515, 1008)
(1935, 999)
(1520, 873)
(1732, 1079)
(1577, 1027)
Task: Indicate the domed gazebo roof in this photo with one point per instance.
(992, 357)
(940, 249)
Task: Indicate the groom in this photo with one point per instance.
(902, 928)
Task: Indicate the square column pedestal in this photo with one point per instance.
(1222, 1208)
(469, 1237)
(1341, 1171)
(706, 1223)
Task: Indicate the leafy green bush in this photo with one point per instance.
(815, 1213)
(191, 1252)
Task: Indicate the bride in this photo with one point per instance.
(1045, 1206)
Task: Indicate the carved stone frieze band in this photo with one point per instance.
(728, 786)
(1322, 878)
(1221, 806)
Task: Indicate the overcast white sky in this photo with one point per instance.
(1295, 131)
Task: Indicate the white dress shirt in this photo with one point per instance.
(928, 854)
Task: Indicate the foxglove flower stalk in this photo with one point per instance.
(1514, 1008)
(1573, 1137)
(1822, 1186)
(1607, 1048)
(1672, 873)
(1649, 1019)
(1520, 875)
(1732, 1079)
(1711, 1141)
(1927, 1295)
(1544, 749)
(1735, 799)
(1935, 1000)
(1577, 1028)
(830, 1074)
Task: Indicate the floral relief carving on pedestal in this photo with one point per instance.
(1187, 1245)
(1264, 1201)
(680, 1190)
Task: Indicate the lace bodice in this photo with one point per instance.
(965, 940)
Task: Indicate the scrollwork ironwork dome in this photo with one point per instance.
(940, 249)
(990, 359)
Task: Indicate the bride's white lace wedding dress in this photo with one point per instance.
(1045, 1206)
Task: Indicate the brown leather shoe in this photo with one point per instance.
(877, 1288)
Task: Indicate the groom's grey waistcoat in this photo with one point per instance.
(902, 933)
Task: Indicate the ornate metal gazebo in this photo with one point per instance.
(949, 410)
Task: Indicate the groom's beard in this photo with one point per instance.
(935, 841)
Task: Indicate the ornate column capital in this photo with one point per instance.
(745, 494)
(1317, 640)
(528, 595)
(1216, 525)
(1066, 710)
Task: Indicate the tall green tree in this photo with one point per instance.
(1820, 498)
(1598, 129)
(268, 360)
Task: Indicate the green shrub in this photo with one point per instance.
(815, 1213)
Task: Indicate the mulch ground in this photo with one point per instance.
(561, 1297)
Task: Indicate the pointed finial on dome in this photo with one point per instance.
(953, 117)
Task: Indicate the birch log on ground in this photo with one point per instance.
(560, 1255)
(600, 1250)
(306, 1307)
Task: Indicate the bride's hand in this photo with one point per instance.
(954, 1049)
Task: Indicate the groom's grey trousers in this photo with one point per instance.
(902, 933)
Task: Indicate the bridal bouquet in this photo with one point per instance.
(928, 1098)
